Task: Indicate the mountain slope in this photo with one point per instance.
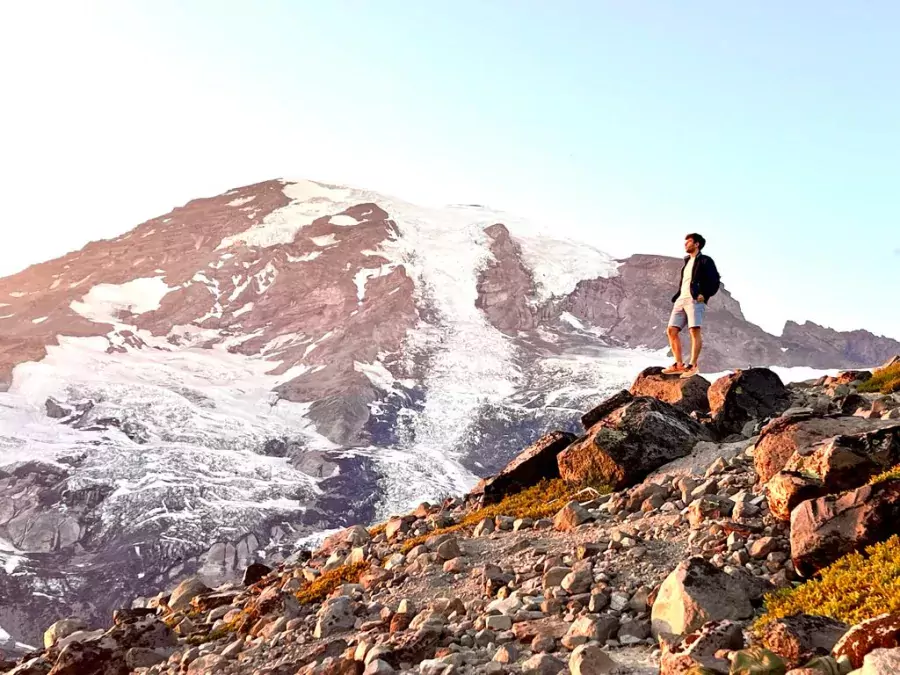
(289, 357)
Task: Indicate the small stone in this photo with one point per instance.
(619, 601)
(590, 659)
(485, 637)
(589, 629)
(233, 649)
(587, 550)
(508, 653)
(454, 566)
(543, 643)
(578, 581)
(379, 667)
(449, 550)
(763, 547)
(554, 576)
(498, 622)
(542, 664)
(570, 516)
(598, 602)
(523, 524)
(484, 528)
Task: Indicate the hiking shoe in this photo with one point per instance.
(689, 371)
(673, 369)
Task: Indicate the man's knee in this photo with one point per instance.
(673, 331)
(695, 331)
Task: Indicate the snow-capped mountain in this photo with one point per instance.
(255, 368)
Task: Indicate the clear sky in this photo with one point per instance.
(771, 128)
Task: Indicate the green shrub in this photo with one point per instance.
(885, 381)
(857, 587)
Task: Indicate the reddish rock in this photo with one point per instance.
(824, 529)
(800, 637)
(688, 395)
(698, 649)
(785, 436)
(746, 395)
(846, 462)
(552, 627)
(533, 464)
(787, 489)
(849, 377)
(629, 443)
(880, 632)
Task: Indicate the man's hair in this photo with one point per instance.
(698, 239)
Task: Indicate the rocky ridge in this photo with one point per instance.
(666, 574)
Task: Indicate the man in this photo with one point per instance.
(699, 282)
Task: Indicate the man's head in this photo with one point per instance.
(694, 243)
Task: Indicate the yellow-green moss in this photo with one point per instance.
(377, 529)
(887, 475)
(885, 381)
(318, 590)
(538, 501)
(857, 587)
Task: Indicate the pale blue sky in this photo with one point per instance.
(771, 128)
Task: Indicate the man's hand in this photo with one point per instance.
(700, 298)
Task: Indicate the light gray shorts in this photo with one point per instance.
(689, 312)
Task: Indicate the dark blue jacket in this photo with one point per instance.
(705, 280)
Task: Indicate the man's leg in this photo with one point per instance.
(675, 343)
(696, 345)
(695, 312)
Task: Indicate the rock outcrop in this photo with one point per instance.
(695, 593)
(537, 462)
(746, 396)
(629, 443)
(687, 395)
(824, 529)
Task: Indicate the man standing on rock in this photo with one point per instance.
(699, 282)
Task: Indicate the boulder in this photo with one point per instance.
(594, 415)
(697, 592)
(847, 462)
(784, 437)
(699, 648)
(787, 489)
(881, 662)
(801, 637)
(825, 529)
(745, 396)
(570, 516)
(142, 632)
(533, 464)
(335, 615)
(688, 395)
(880, 632)
(90, 658)
(186, 591)
(255, 572)
(356, 535)
(61, 629)
(629, 443)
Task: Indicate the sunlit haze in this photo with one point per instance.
(773, 129)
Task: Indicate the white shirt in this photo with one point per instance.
(686, 280)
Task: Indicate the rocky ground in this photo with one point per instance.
(724, 493)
